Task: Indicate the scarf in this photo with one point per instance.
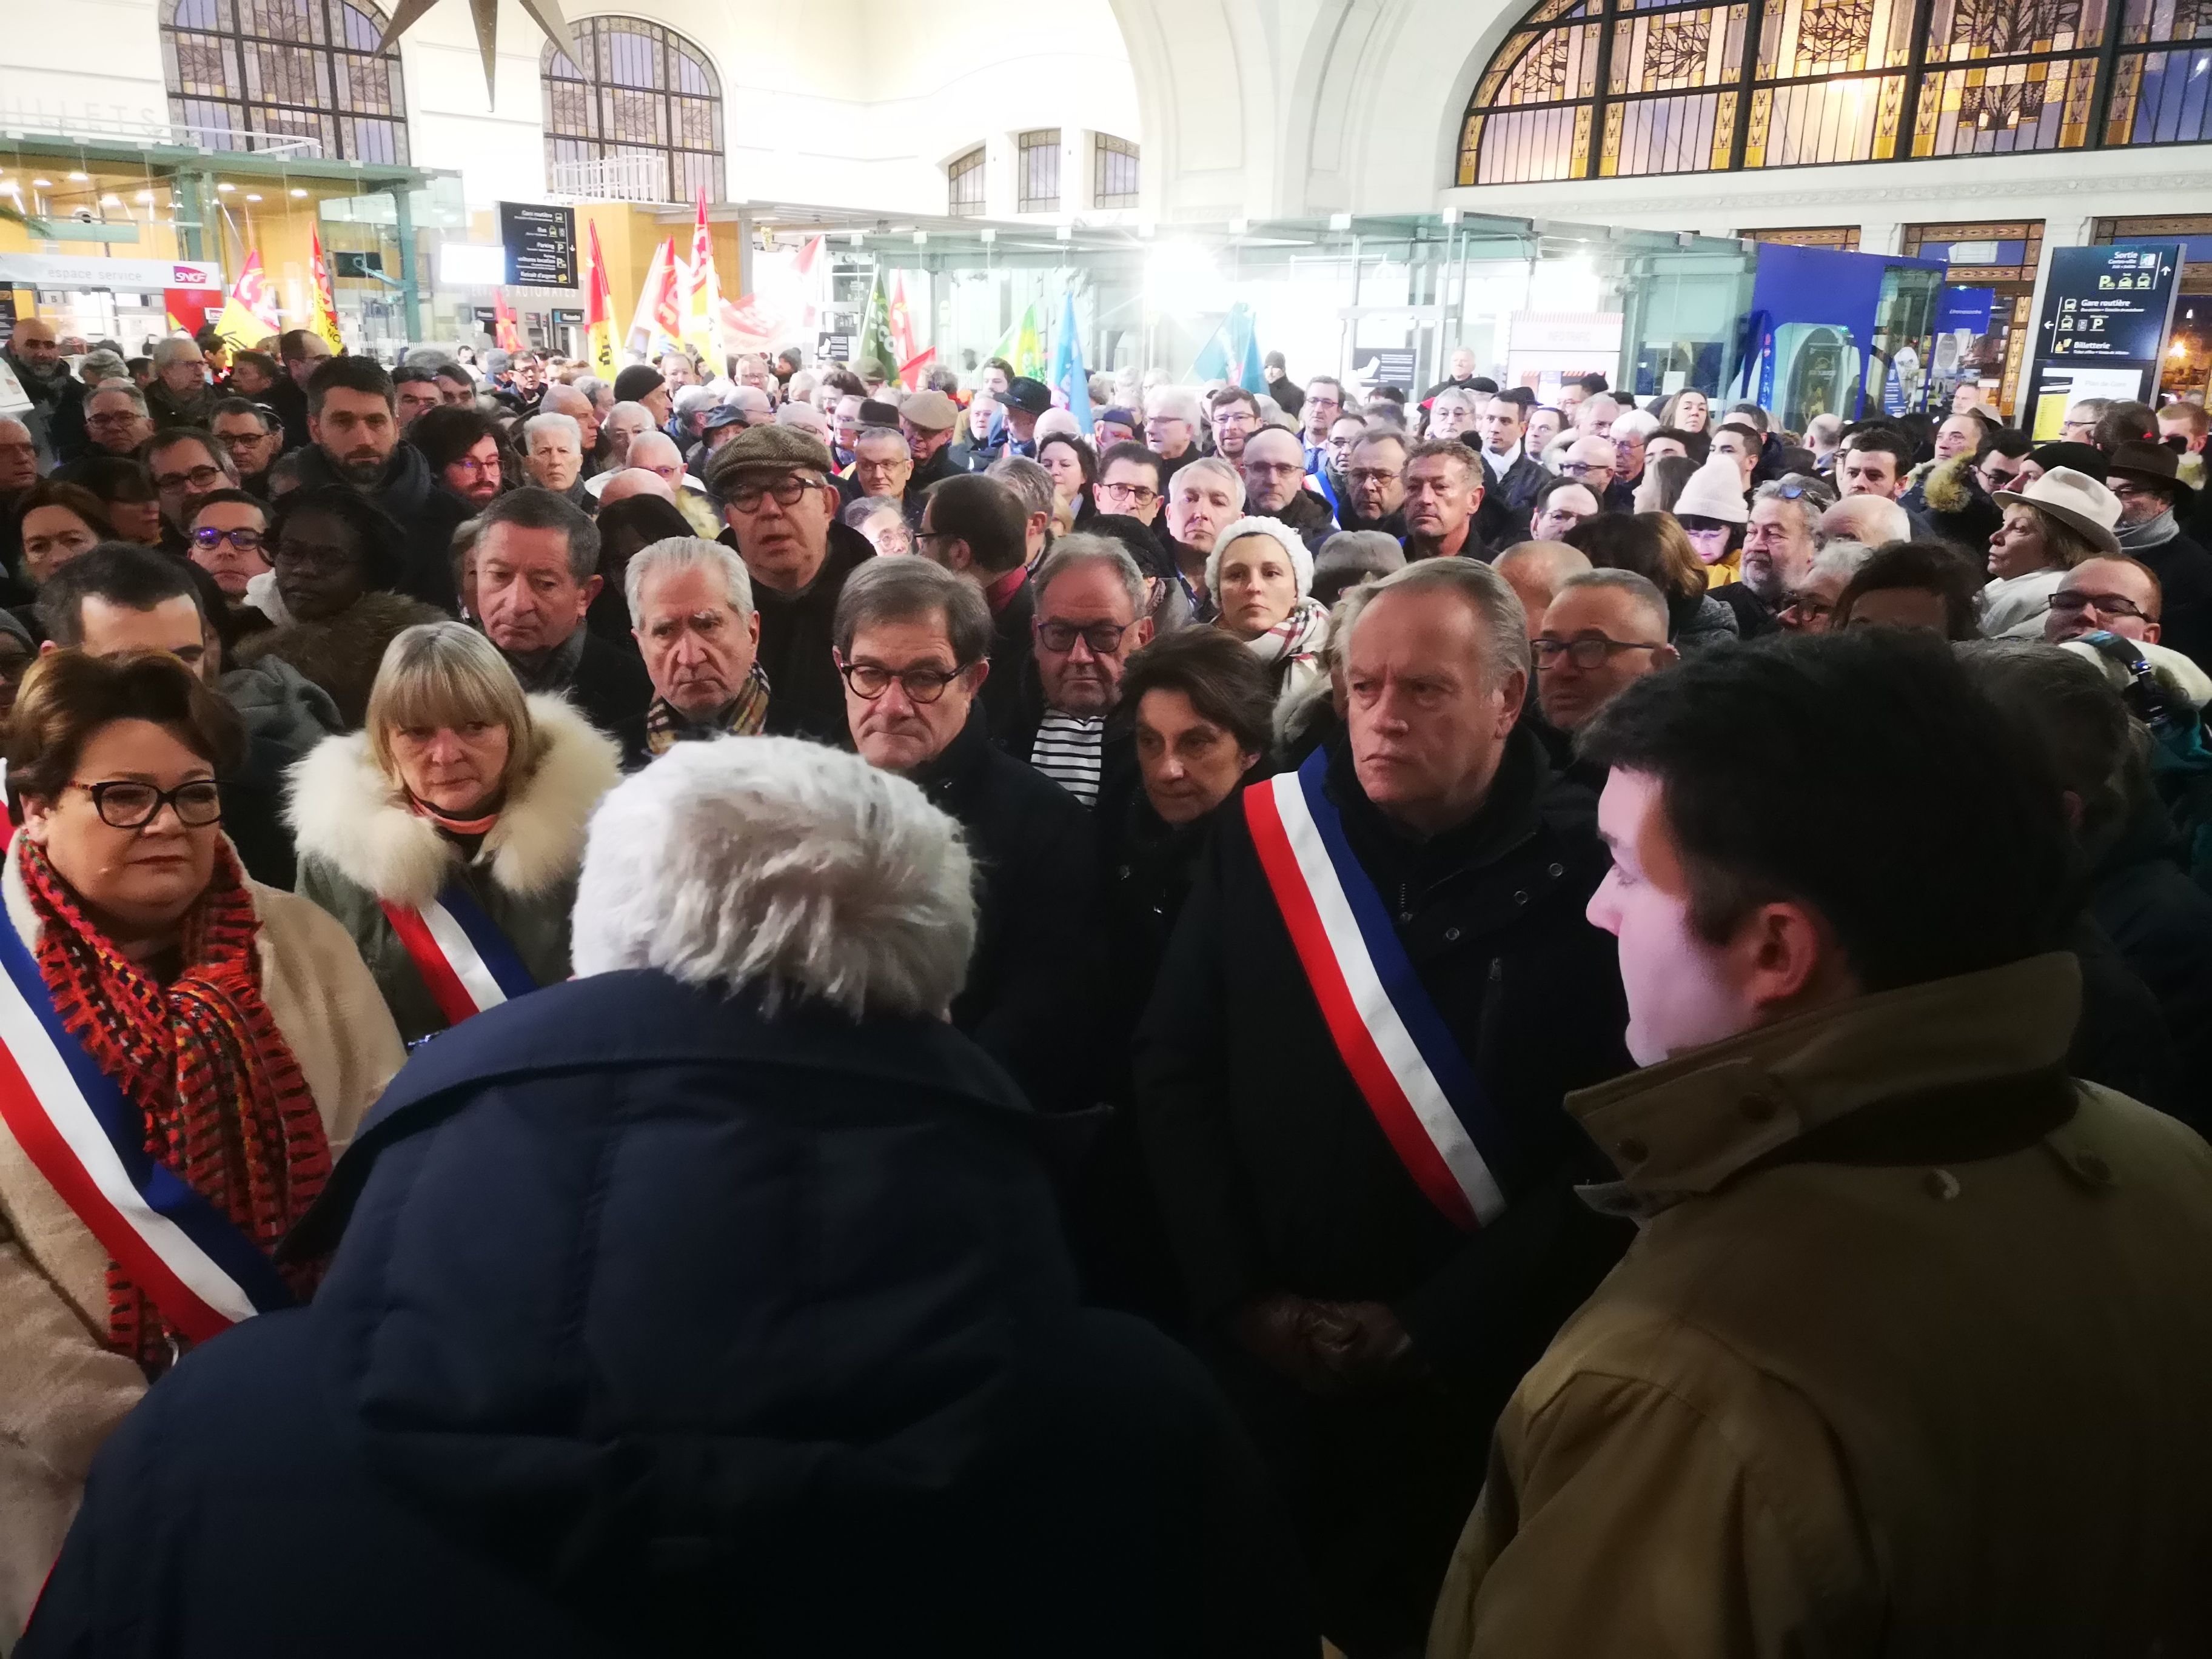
(743, 716)
(1297, 638)
(2151, 532)
(218, 1088)
(550, 670)
(1723, 572)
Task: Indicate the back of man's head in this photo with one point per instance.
(122, 573)
(1864, 776)
(987, 515)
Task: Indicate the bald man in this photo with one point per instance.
(1870, 521)
(1534, 570)
(633, 481)
(56, 418)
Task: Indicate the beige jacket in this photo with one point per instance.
(1912, 1357)
(61, 1389)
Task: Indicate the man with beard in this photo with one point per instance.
(356, 433)
(462, 448)
(1779, 543)
(2146, 477)
(56, 417)
(1376, 481)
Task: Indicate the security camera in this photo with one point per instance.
(82, 215)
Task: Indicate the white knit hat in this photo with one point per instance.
(1715, 491)
(1294, 549)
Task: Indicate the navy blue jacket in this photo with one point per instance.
(661, 1327)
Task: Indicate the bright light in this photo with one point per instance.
(1181, 277)
(252, 198)
(111, 201)
(42, 183)
(472, 265)
(225, 189)
(79, 178)
(297, 192)
(145, 196)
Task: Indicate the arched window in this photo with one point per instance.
(244, 74)
(1614, 88)
(963, 185)
(640, 119)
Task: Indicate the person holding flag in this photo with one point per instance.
(447, 834)
(1349, 1087)
(183, 1053)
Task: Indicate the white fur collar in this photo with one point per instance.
(343, 810)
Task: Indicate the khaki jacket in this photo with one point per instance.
(62, 1390)
(1912, 1356)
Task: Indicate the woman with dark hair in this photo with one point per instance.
(54, 523)
(631, 525)
(219, 1039)
(1199, 703)
(337, 561)
(1657, 548)
(1074, 468)
(124, 489)
(1924, 585)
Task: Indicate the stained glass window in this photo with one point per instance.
(1114, 172)
(644, 95)
(1604, 89)
(249, 74)
(1038, 172)
(1843, 238)
(963, 185)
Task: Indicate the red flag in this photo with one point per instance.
(504, 334)
(598, 312)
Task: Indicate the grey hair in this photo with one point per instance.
(126, 387)
(1640, 421)
(909, 590)
(1176, 403)
(104, 363)
(567, 424)
(1839, 560)
(868, 433)
(1807, 506)
(1025, 477)
(1073, 552)
(1641, 589)
(1489, 595)
(170, 348)
(591, 385)
(533, 508)
(673, 553)
(1459, 399)
(1213, 466)
(781, 868)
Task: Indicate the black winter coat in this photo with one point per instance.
(1013, 649)
(426, 512)
(2160, 923)
(2183, 570)
(1275, 1174)
(660, 1328)
(1503, 519)
(796, 638)
(1031, 998)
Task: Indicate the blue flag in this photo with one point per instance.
(1233, 353)
(1068, 374)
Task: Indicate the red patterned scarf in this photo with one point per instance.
(218, 1088)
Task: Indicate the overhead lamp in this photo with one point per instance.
(42, 183)
(250, 198)
(111, 201)
(1340, 222)
(297, 192)
(145, 196)
(79, 178)
(225, 188)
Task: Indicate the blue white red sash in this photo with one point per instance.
(462, 957)
(79, 1132)
(1387, 1030)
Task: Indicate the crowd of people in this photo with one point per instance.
(745, 1005)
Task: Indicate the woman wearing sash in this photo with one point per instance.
(447, 834)
(186, 1053)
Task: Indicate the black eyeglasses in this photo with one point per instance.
(788, 492)
(244, 539)
(2074, 602)
(123, 804)
(1590, 650)
(1136, 493)
(870, 680)
(200, 477)
(1103, 638)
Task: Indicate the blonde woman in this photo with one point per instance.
(447, 834)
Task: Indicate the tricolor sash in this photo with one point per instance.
(79, 1132)
(462, 957)
(1386, 1028)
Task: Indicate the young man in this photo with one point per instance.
(1911, 1352)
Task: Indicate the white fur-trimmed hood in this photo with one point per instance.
(345, 811)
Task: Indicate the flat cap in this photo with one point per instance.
(768, 448)
(933, 411)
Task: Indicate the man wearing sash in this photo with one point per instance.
(1349, 1085)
